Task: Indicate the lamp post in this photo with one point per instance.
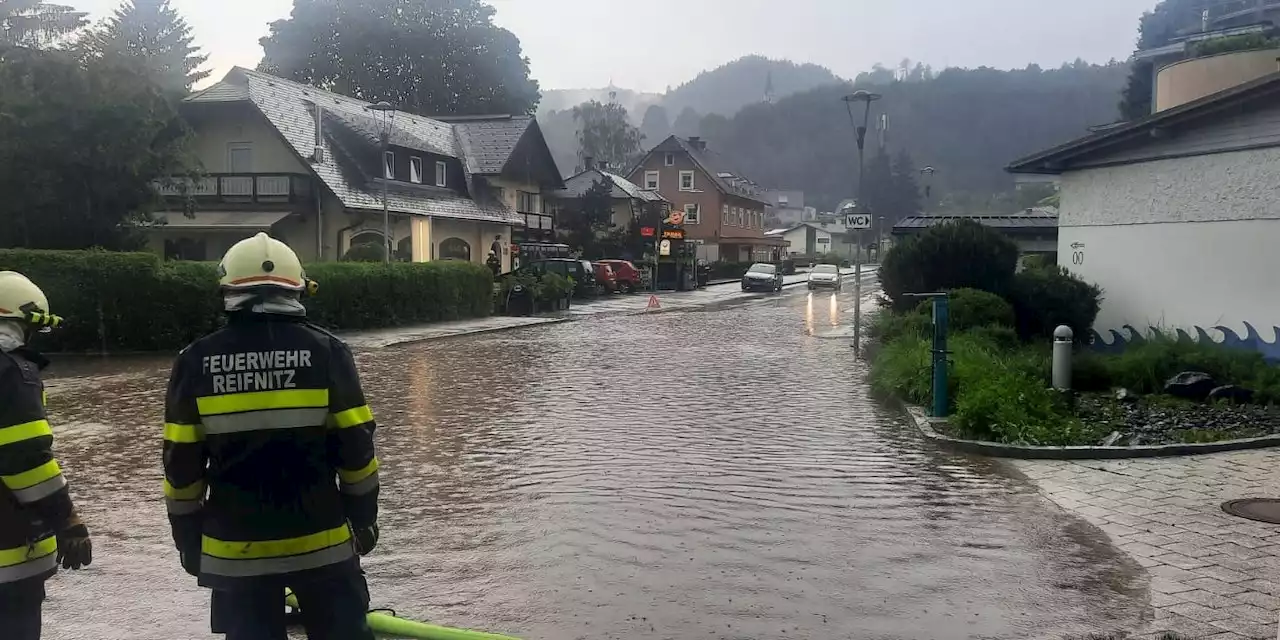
(865, 97)
(927, 173)
(388, 113)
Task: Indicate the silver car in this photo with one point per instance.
(825, 275)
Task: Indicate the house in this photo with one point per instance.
(307, 166)
(1035, 231)
(1175, 215)
(813, 238)
(629, 200)
(724, 212)
(786, 208)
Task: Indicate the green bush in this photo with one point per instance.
(956, 255)
(121, 302)
(902, 368)
(1012, 407)
(1047, 297)
(365, 252)
(887, 326)
(972, 308)
(1001, 336)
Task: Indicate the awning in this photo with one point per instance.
(214, 220)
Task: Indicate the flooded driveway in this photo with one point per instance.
(719, 474)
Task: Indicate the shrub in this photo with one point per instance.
(721, 270)
(1145, 367)
(972, 308)
(902, 368)
(1047, 297)
(1001, 336)
(365, 252)
(887, 326)
(118, 302)
(954, 255)
(1012, 407)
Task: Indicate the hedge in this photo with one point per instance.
(120, 302)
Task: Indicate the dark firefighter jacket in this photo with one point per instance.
(268, 452)
(34, 502)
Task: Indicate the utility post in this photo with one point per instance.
(862, 214)
(388, 113)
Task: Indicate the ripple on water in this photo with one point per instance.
(680, 475)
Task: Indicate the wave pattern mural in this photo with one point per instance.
(1252, 340)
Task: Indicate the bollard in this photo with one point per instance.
(1062, 338)
(941, 317)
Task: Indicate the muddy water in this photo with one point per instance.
(717, 474)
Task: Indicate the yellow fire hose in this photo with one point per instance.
(387, 624)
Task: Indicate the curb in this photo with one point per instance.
(924, 423)
(459, 334)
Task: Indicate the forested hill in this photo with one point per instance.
(728, 88)
(967, 124)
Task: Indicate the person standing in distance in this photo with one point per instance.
(271, 479)
(39, 528)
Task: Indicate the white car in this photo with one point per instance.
(825, 275)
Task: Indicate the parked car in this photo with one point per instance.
(606, 279)
(762, 276)
(628, 276)
(582, 272)
(825, 275)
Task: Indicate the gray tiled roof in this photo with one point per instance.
(1016, 221)
(370, 128)
(487, 142)
(714, 165)
(577, 186)
(290, 108)
(221, 92)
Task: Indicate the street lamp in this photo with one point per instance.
(387, 122)
(865, 97)
(928, 172)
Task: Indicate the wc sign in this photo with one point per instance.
(857, 220)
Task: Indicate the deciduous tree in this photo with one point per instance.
(605, 134)
(427, 56)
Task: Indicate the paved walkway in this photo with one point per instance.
(1212, 575)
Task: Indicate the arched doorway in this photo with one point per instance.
(404, 249)
(455, 249)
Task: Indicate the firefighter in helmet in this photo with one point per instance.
(39, 528)
(271, 480)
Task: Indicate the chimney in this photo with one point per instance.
(698, 143)
(588, 163)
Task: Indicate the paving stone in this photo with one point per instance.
(1247, 628)
(1222, 573)
(1146, 550)
(1262, 586)
(1257, 614)
(1151, 539)
(1200, 596)
(1180, 561)
(1233, 549)
(1262, 600)
(1200, 612)
(1170, 586)
(1212, 585)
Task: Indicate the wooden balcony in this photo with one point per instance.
(231, 188)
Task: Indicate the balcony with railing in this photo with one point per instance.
(230, 188)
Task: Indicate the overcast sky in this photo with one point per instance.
(650, 45)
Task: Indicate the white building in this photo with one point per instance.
(1177, 216)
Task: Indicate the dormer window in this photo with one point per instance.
(389, 165)
(415, 170)
(442, 174)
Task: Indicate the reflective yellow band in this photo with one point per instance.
(353, 417)
(262, 400)
(183, 433)
(275, 548)
(46, 471)
(25, 431)
(19, 555)
(352, 477)
(193, 491)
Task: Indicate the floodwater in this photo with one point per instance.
(720, 474)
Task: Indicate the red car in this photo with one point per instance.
(627, 275)
(606, 279)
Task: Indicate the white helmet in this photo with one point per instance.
(21, 299)
(262, 261)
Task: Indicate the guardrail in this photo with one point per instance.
(233, 187)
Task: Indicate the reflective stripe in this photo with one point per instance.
(265, 420)
(352, 477)
(335, 554)
(19, 555)
(353, 417)
(362, 487)
(183, 433)
(40, 491)
(262, 400)
(249, 550)
(193, 491)
(29, 562)
(182, 507)
(26, 431)
(33, 477)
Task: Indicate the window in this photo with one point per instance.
(389, 165)
(686, 181)
(651, 179)
(240, 157)
(783, 199)
(691, 214)
(527, 202)
(669, 159)
(442, 174)
(455, 249)
(724, 214)
(415, 170)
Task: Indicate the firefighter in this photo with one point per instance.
(270, 475)
(39, 528)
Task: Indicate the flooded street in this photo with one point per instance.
(717, 474)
